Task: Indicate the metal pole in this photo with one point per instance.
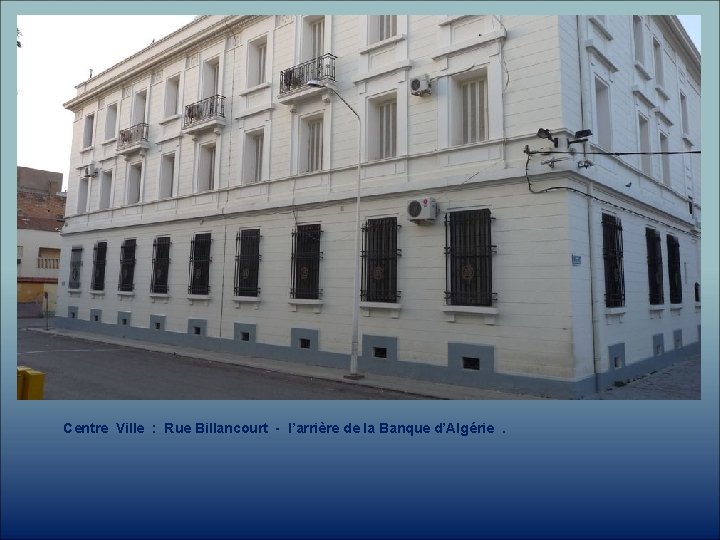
(47, 311)
(356, 277)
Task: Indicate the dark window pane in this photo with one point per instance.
(469, 252)
(127, 265)
(161, 265)
(99, 258)
(200, 264)
(247, 262)
(613, 259)
(306, 262)
(380, 255)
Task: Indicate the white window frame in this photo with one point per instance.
(111, 127)
(211, 183)
(658, 60)
(458, 106)
(638, 34)
(257, 61)
(172, 93)
(646, 165)
(88, 131)
(131, 167)
(254, 157)
(666, 174)
(382, 126)
(163, 177)
(103, 175)
(603, 119)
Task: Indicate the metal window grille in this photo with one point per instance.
(655, 268)
(200, 264)
(613, 257)
(469, 251)
(315, 144)
(161, 265)
(388, 26)
(380, 254)
(247, 262)
(127, 265)
(673, 247)
(75, 266)
(473, 111)
(99, 258)
(306, 256)
(388, 129)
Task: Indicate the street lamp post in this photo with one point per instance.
(356, 277)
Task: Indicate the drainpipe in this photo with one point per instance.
(586, 122)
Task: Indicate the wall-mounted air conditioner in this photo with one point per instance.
(420, 86)
(422, 210)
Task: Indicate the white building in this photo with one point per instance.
(218, 188)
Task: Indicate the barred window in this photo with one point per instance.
(468, 252)
(75, 266)
(655, 268)
(247, 262)
(161, 265)
(380, 254)
(613, 257)
(200, 264)
(306, 256)
(99, 258)
(127, 265)
(673, 247)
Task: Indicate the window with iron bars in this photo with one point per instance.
(98, 275)
(655, 267)
(613, 258)
(247, 262)
(306, 257)
(673, 247)
(468, 252)
(200, 264)
(127, 265)
(75, 266)
(161, 265)
(380, 254)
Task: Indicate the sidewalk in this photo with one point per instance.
(679, 381)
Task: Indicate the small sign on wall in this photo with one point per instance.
(576, 260)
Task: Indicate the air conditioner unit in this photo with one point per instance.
(422, 210)
(420, 86)
(90, 171)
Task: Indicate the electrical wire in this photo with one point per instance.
(603, 201)
(573, 152)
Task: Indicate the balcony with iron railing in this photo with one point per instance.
(133, 139)
(293, 80)
(208, 113)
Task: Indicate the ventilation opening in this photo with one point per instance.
(196, 330)
(471, 363)
(304, 343)
(123, 322)
(617, 361)
(380, 352)
(96, 318)
(244, 336)
(157, 326)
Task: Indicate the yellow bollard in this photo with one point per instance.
(21, 380)
(33, 384)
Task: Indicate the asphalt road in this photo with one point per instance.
(80, 369)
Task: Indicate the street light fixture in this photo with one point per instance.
(356, 278)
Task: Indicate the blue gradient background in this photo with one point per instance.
(562, 469)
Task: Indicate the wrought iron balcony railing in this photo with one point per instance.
(132, 136)
(206, 109)
(295, 78)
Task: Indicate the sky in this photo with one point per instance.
(52, 61)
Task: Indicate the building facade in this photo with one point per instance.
(530, 197)
(40, 217)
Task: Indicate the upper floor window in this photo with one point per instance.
(75, 266)
(111, 121)
(658, 60)
(603, 118)
(160, 265)
(313, 140)
(83, 190)
(133, 183)
(139, 106)
(644, 143)
(99, 258)
(382, 127)
(247, 262)
(172, 95)
(380, 254)
(613, 261)
(684, 113)
(306, 256)
(88, 130)
(257, 54)
(654, 264)
(313, 39)
(206, 168)
(468, 252)
(638, 39)
(253, 162)
(200, 264)
(673, 247)
(105, 190)
(469, 111)
(665, 157)
(127, 265)
(211, 78)
(167, 175)
(381, 27)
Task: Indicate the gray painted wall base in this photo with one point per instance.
(454, 373)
